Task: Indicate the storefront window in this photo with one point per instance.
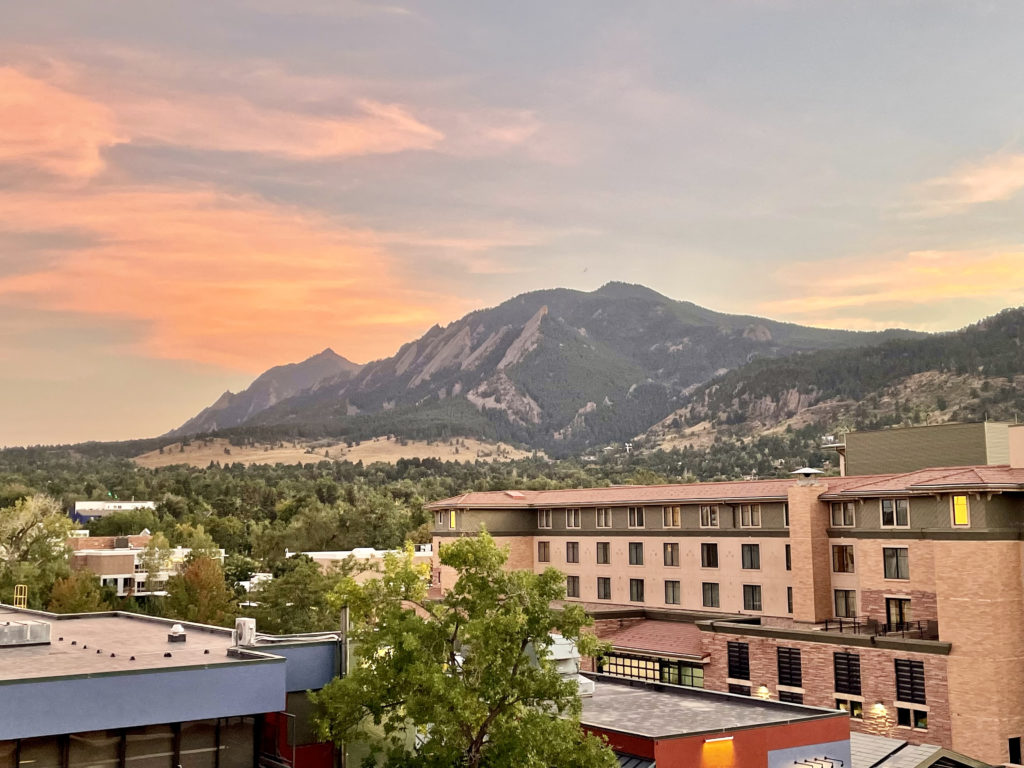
(39, 753)
(149, 747)
(236, 742)
(94, 749)
(198, 744)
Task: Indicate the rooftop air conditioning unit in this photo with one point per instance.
(245, 631)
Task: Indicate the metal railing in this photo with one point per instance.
(926, 629)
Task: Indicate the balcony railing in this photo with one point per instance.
(921, 629)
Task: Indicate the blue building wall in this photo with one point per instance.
(309, 666)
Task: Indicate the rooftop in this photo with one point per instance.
(662, 711)
(664, 638)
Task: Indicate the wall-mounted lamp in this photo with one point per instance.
(763, 693)
(718, 738)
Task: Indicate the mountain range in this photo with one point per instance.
(555, 369)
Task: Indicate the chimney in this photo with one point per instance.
(808, 537)
(1016, 437)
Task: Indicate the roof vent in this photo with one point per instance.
(515, 494)
(177, 634)
(806, 475)
(29, 632)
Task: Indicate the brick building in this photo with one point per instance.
(898, 597)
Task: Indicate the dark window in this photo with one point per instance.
(671, 554)
(895, 512)
(912, 718)
(842, 558)
(910, 681)
(1015, 752)
(652, 669)
(846, 603)
(572, 551)
(897, 562)
(842, 514)
(709, 555)
(636, 553)
(672, 592)
(636, 517)
(785, 514)
(543, 551)
(604, 553)
(572, 586)
(789, 599)
(790, 670)
(709, 590)
(789, 558)
(791, 697)
(752, 597)
(751, 556)
(636, 590)
(604, 588)
(739, 660)
(742, 690)
(846, 668)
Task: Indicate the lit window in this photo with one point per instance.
(907, 717)
(451, 519)
(961, 511)
(671, 517)
(895, 513)
(853, 706)
(709, 517)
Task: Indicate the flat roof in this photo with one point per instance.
(103, 643)
(661, 711)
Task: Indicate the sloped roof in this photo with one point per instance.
(672, 638)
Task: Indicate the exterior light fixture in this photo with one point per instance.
(763, 693)
(718, 738)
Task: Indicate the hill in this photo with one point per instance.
(968, 375)
(556, 369)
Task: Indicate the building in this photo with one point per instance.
(365, 559)
(898, 597)
(127, 691)
(85, 511)
(119, 562)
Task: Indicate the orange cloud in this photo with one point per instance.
(221, 279)
(884, 291)
(998, 177)
(48, 128)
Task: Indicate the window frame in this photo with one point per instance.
(754, 557)
(750, 515)
(544, 518)
(607, 547)
(910, 672)
(636, 546)
(897, 570)
(667, 560)
(953, 511)
(451, 520)
(843, 508)
(737, 658)
(636, 587)
(712, 589)
(705, 548)
(603, 517)
(573, 517)
(604, 581)
(789, 557)
(756, 597)
(572, 552)
(571, 579)
(709, 512)
(672, 516)
(846, 594)
(789, 666)
(635, 517)
(543, 551)
(895, 511)
(676, 587)
(849, 683)
(847, 561)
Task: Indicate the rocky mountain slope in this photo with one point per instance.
(554, 369)
(270, 388)
(967, 375)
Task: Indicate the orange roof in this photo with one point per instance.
(673, 638)
(921, 481)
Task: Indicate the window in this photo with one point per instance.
(897, 613)
(895, 513)
(572, 551)
(636, 590)
(572, 518)
(752, 597)
(709, 517)
(672, 592)
(785, 514)
(671, 554)
(543, 518)
(636, 553)
(751, 555)
(709, 590)
(750, 516)
(451, 519)
(671, 517)
(543, 551)
(791, 697)
(910, 681)
(842, 514)
(961, 511)
(854, 706)
(846, 669)
(897, 563)
(709, 555)
(604, 588)
(572, 586)
(652, 669)
(908, 717)
(1015, 751)
(738, 655)
(604, 553)
(741, 690)
(789, 558)
(790, 668)
(636, 517)
(441, 517)
(789, 599)
(846, 604)
(842, 558)
(604, 517)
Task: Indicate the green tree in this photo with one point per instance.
(471, 673)
(33, 547)
(79, 592)
(154, 560)
(199, 541)
(199, 594)
(298, 597)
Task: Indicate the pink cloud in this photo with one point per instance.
(999, 177)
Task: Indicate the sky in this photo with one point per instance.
(192, 192)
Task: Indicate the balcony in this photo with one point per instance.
(909, 630)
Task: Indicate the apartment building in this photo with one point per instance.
(897, 597)
(84, 511)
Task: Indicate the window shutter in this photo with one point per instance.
(846, 667)
(910, 681)
(739, 661)
(790, 671)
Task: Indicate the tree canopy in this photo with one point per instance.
(466, 680)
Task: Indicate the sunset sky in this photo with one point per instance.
(191, 192)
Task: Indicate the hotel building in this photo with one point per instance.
(898, 597)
